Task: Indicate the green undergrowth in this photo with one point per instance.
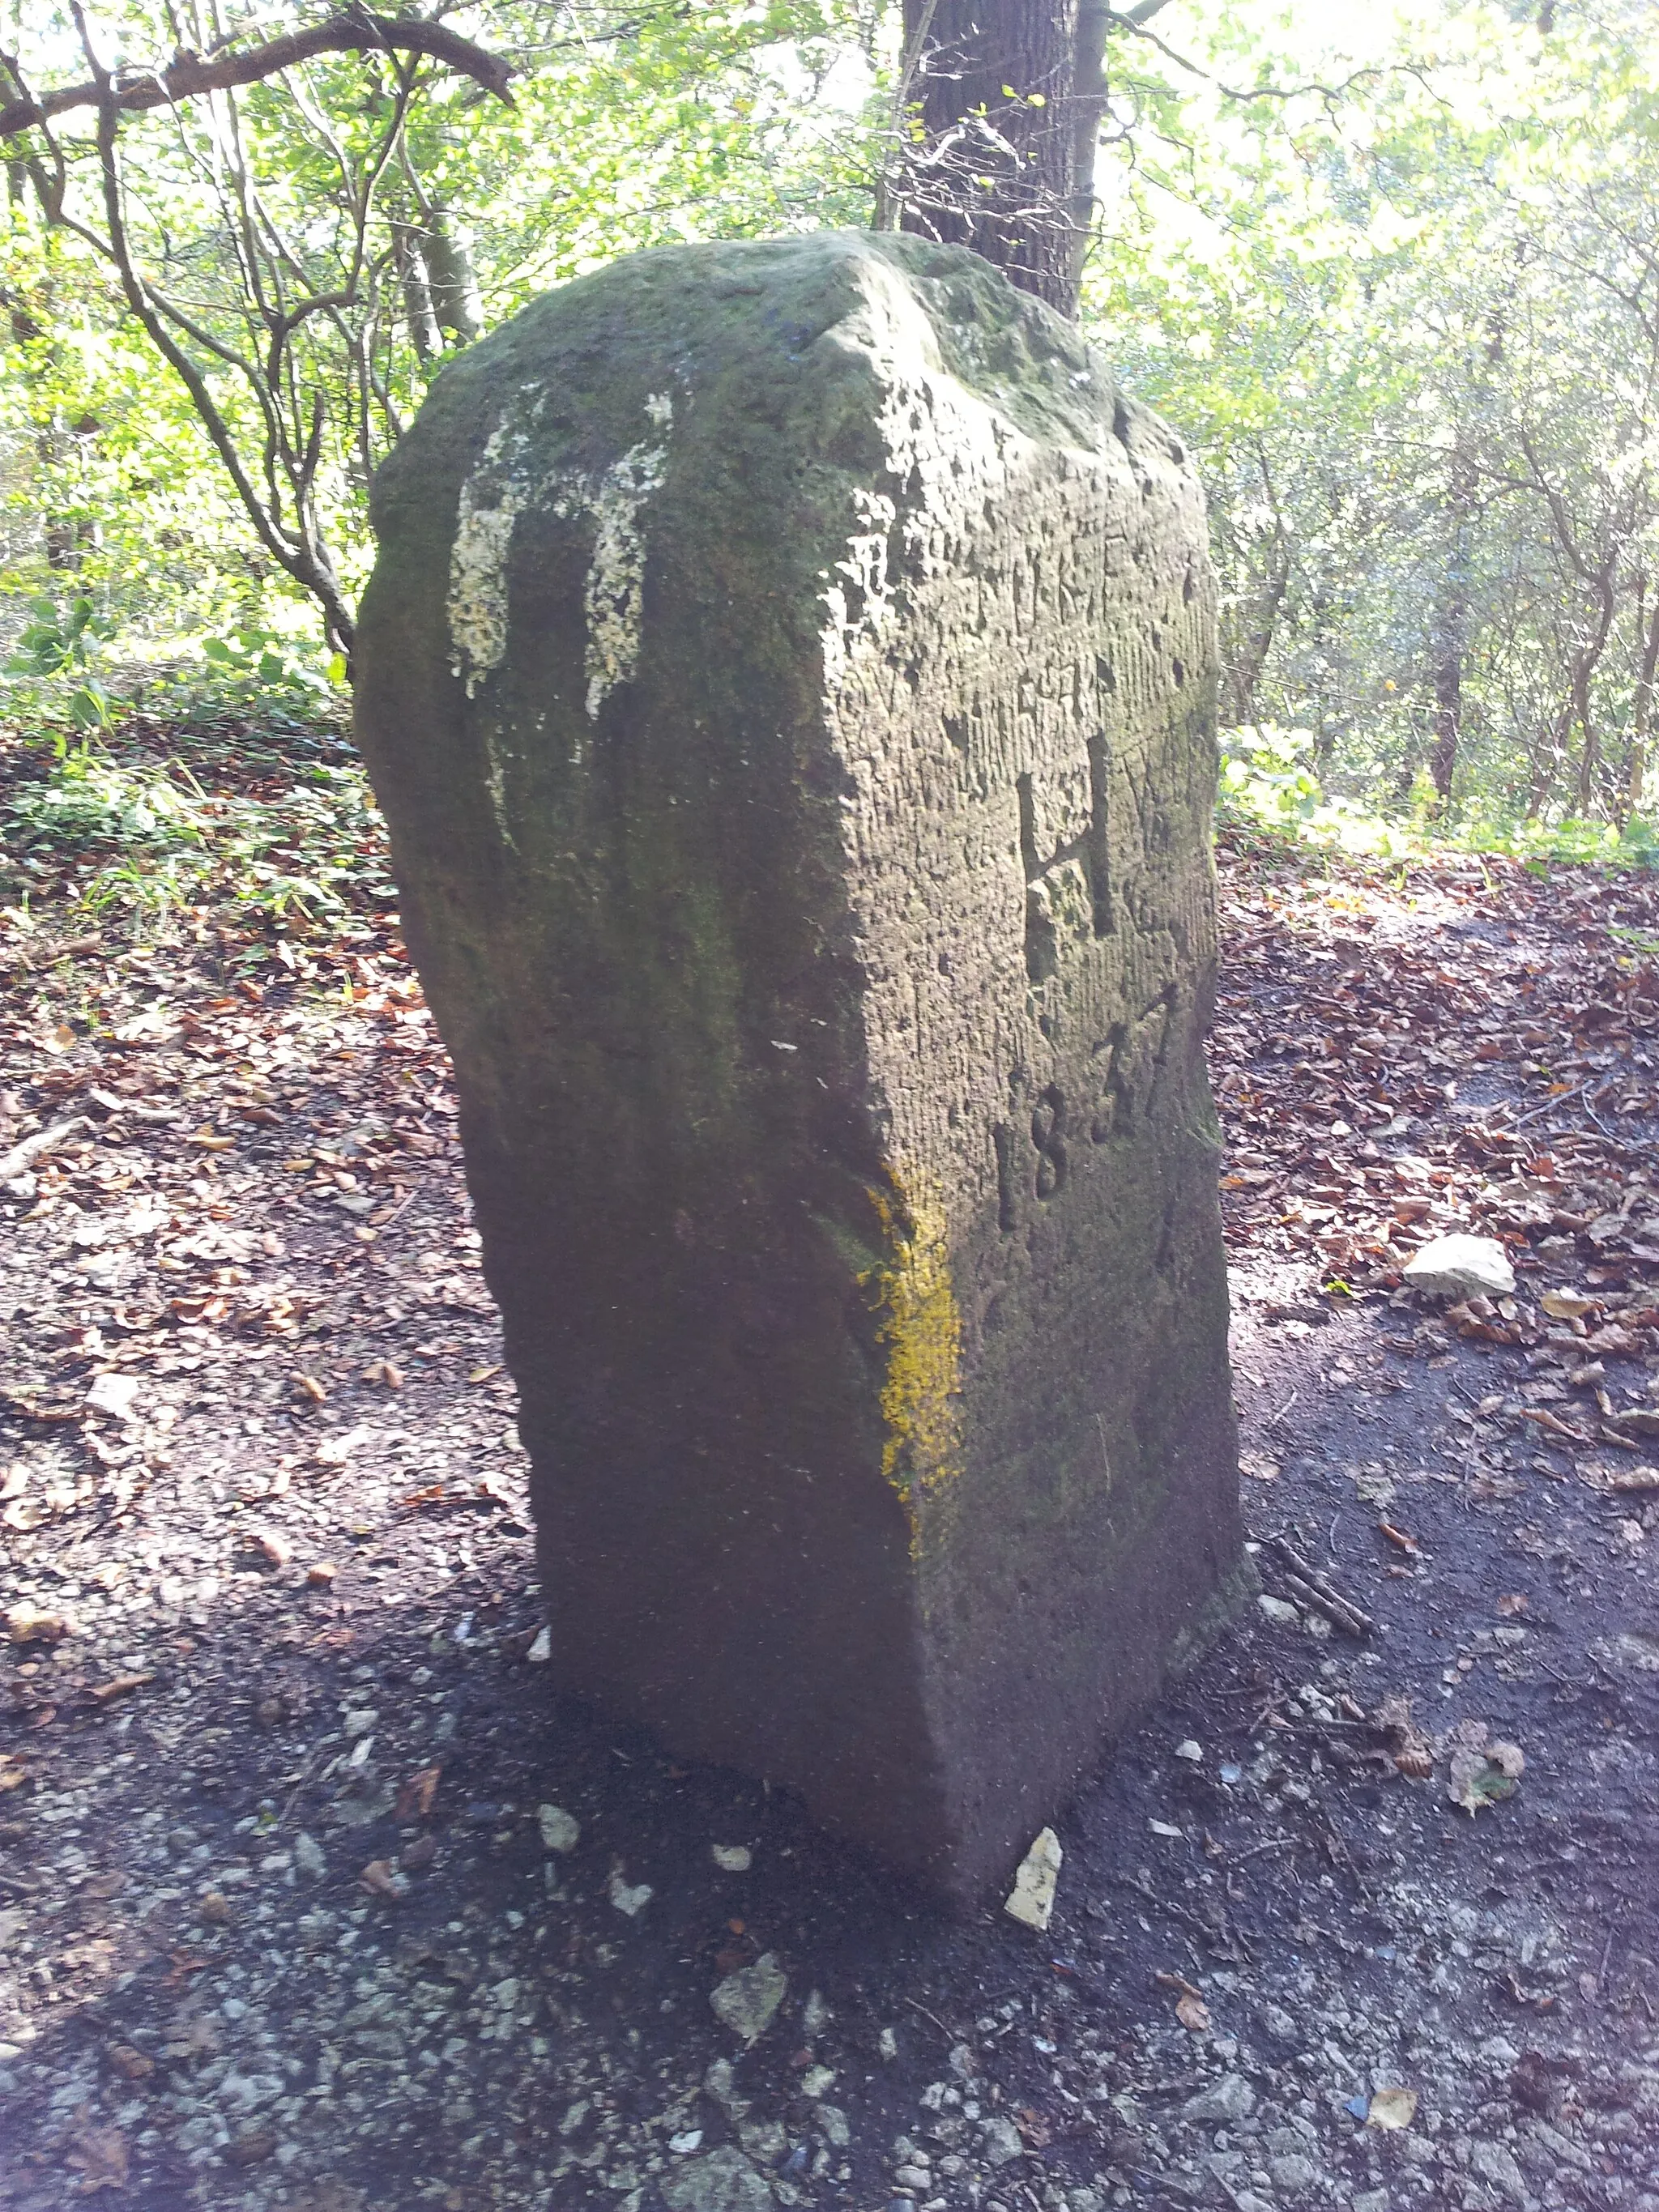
(1269, 789)
(132, 825)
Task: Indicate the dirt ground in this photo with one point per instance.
(312, 1896)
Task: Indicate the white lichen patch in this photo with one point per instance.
(477, 605)
(614, 596)
(499, 490)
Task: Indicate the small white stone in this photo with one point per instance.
(114, 1395)
(1462, 1267)
(1190, 1751)
(542, 1649)
(818, 2080)
(1279, 1610)
(1230, 2099)
(1031, 1900)
(748, 2000)
(308, 1857)
(732, 1858)
(630, 1899)
(560, 1830)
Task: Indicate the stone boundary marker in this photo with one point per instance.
(788, 676)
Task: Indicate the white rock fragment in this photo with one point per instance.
(1191, 1752)
(560, 1830)
(541, 1650)
(1279, 1610)
(722, 2180)
(1462, 1267)
(630, 1899)
(747, 2001)
(887, 2044)
(732, 1858)
(1032, 1897)
(683, 2145)
(114, 1394)
(308, 1857)
(818, 2081)
(1003, 2141)
(1228, 2099)
(815, 2015)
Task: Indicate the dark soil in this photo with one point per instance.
(279, 1923)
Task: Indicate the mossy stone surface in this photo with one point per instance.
(788, 676)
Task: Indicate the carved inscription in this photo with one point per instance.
(1130, 1058)
(1048, 1136)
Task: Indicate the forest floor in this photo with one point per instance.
(312, 1896)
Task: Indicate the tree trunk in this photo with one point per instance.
(1094, 21)
(1448, 717)
(409, 258)
(1244, 667)
(456, 300)
(1583, 673)
(1642, 725)
(996, 165)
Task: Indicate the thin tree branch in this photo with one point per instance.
(354, 31)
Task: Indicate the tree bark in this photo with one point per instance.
(1635, 772)
(996, 165)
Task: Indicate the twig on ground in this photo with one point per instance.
(933, 2016)
(44, 1140)
(1310, 1586)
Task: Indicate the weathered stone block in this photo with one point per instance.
(788, 678)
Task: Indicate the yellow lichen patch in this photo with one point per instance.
(921, 1334)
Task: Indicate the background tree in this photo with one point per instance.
(996, 121)
(283, 219)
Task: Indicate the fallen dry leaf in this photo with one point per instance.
(1631, 1478)
(378, 1878)
(1414, 1755)
(27, 1623)
(1479, 1771)
(1190, 2008)
(1392, 2108)
(415, 1799)
(102, 2157)
(119, 1687)
(1556, 1428)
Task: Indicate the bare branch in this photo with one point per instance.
(354, 31)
